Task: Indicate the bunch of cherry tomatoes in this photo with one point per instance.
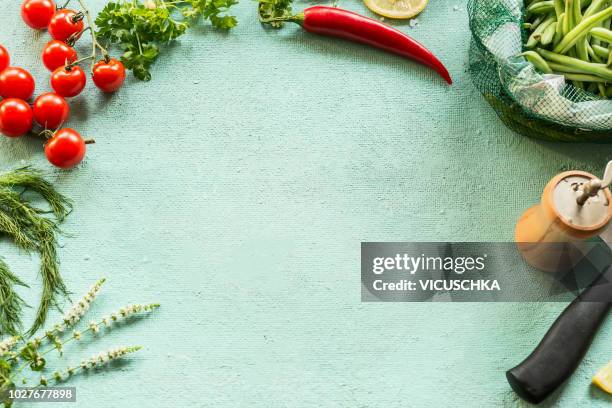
(64, 147)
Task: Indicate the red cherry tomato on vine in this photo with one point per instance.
(68, 82)
(65, 149)
(15, 117)
(16, 83)
(5, 59)
(37, 13)
(109, 76)
(57, 54)
(65, 24)
(51, 110)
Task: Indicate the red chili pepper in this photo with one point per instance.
(351, 26)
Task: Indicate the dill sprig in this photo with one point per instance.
(11, 303)
(32, 229)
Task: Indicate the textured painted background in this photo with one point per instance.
(235, 188)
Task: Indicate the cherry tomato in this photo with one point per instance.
(109, 76)
(65, 149)
(64, 24)
(51, 110)
(37, 13)
(57, 54)
(16, 83)
(5, 59)
(15, 117)
(68, 82)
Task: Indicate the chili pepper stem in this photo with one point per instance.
(295, 18)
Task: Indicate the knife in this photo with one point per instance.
(566, 342)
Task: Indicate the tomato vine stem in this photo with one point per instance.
(94, 41)
(48, 134)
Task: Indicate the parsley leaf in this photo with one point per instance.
(273, 9)
(139, 28)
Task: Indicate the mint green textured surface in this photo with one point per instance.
(235, 189)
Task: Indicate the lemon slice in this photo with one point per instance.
(603, 378)
(396, 8)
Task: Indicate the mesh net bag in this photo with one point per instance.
(542, 106)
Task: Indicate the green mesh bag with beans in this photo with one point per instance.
(545, 66)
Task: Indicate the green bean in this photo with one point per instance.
(576, 12)
(537, 61)
(535, 23)
(548, 34)
(541, 7)
(587, 67)
(581, 48)
(602, 33)
(559, 29)
(559, 8)
(567, 17)
(536, 36)
(592, 53)
(602, 89)
(582, 77)
(556, 67)
(581, 30)
(595, 6)
(600, 51)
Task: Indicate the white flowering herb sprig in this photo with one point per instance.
(17, 355)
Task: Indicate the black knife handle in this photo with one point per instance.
(563, 346)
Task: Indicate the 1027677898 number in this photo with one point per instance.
(42, 394)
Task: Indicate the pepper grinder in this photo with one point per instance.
(575, 206)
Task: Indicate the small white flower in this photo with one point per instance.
(77, 335)
(94, 326)
(7, 344)
(78, 309)
(102, 357)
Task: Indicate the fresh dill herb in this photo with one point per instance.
(12, 303)
(139, 28)
(32, 229)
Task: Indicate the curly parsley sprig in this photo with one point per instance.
(273, 11)
(139, 28)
